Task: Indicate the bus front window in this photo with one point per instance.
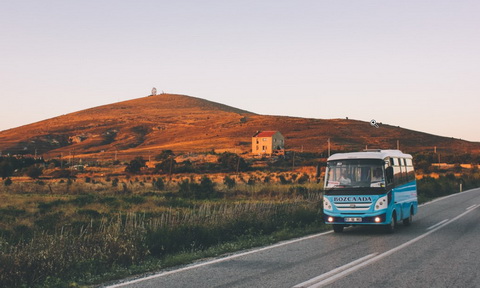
(359, 173)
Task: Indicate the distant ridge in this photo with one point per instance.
(148, 125)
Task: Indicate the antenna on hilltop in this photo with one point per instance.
(154, 91)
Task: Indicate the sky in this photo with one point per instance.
(413, 63)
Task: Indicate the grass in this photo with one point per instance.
(55, 234)
(93, 232)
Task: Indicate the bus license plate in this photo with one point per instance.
(353, 219)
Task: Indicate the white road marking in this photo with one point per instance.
(472, 207)
(448, 196)
(371, 260)
(216, 260)
(161, 274)
(438, 224)
(333, 272)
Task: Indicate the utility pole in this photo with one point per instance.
(238, 163)
(293, 160)
(328, 147)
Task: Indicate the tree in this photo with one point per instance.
(8, 182)
(207, 187)
(135, 165)
(165, 154)
(232, 162)
(229, 182)
(6, 168)
(166, 166)
(203, 190)
(34, 172)
(159, 184)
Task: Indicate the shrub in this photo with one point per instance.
(229, 182)
(303, 179)
(135, 199)
(7, 182)
(165, 154)
(158, 184)
(34, 172)
(232, 162)
(166, 166)
(204, 190)
(283, 181)
(6, 168)
(135, 165)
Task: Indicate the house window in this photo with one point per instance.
(264, 139)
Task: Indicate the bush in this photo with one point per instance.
(158, 184)
(231, 162)
(166, 166)
(192, 190)
(229, 182)
(303, 179)
(135, 165)
(34, 172)
(7, 182)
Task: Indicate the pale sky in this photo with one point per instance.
(413, 64)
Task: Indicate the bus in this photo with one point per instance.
(373, 187)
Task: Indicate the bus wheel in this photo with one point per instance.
(409, 220)
(390, 228)
(338, 228)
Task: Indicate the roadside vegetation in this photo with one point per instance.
(67, 227)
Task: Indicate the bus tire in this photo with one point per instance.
(390, 228)
(409, 220)
(337, 228)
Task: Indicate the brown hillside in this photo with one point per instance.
(148, 125)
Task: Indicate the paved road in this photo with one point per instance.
(440, 249)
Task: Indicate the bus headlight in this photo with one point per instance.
(326, 204)
(381, 203)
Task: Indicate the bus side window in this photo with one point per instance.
(389, 175)
(410, 170)
(397, 171)
(402, 170)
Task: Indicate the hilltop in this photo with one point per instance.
(148, 125)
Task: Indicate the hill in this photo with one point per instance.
(148, 125)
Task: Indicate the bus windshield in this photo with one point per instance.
(355, 173)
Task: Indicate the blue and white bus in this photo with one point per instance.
(370, 188)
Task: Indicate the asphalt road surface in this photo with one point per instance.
(440, 249)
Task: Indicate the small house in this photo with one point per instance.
(268, 143)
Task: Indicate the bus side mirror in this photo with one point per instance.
(389, 174)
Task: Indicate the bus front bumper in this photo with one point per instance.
(355, 219)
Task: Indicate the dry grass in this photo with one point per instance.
(146, 126)
(93, 228)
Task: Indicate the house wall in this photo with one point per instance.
(266, 145)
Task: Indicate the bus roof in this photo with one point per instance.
(377, 154)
